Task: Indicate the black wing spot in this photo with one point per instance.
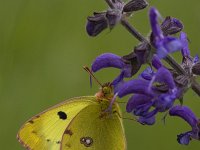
(58, 142)
(69, 132)
(48, 140)
(86, 141)
(34, 132)
(62, 115)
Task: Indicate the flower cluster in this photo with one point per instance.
(157, 87)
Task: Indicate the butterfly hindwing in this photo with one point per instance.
(44, 131)
(91, 129)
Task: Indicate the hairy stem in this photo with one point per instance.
(110, 3)
(195, 87)
(170, 60)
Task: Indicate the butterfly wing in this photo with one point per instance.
(44, 131)
(91, 130)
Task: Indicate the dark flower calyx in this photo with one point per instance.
(96, 23)
(182, 80)
(171, 26)
(142, 51)
(113, 17)
(135, 5)
(133, 60)
(196, 69)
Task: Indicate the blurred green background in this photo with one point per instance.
(43, 46)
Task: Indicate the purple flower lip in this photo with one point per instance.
(107, 60)
(138, 86)
(156, 62)
(186, 114)
(137, 100)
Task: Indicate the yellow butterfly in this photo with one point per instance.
(79, 123)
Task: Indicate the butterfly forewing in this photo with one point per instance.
(44, 131)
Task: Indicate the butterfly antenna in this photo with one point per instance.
(91, 76)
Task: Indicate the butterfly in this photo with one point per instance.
(80, 123)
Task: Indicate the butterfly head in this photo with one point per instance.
(106, 92)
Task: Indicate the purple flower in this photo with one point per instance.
(186, 114)
(163, 44)
(156, 62)
(151, 89)
(155, 90)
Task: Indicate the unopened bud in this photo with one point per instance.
(135, 5)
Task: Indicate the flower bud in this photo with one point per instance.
(171, 26)
(96, 24)
(135, 5)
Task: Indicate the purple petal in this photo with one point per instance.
(147, 74)
(156, 62)
(186, 114)
(149, 118)
(136, 100)
(185, 50)
(184, 138)
(153, 15)
(147, 121)
(137, 86)
(167, 45)
(107, 60)
(164, 102)
(142, 110)
(163, 75)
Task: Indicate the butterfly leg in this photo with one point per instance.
(109, 109)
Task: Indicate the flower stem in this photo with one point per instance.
(170, 60)
(110, 3)
(195, 87)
